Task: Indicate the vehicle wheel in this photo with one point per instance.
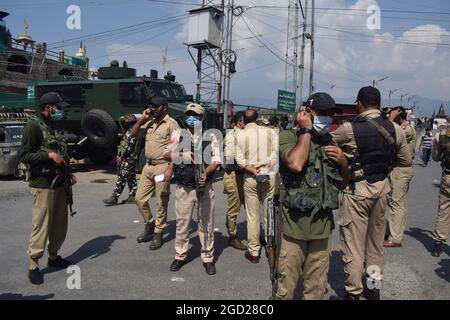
(101, 156)
(100, 128)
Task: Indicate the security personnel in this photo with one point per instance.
(441, 152)
(127, 158)
(400, 179)
(157, 172)
(373, 146)
(313, 170)
(257, 154)
(44, 149)
(233, 181)
(194, 188)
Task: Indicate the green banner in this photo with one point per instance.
(286, 101)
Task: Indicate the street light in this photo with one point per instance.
(376, 81)
(401, 98)
(390, 93)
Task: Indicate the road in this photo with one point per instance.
(102, 242)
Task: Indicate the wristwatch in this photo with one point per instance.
(303, 131)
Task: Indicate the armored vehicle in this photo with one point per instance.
(92, 121)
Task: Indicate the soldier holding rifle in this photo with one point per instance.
(193, 172)
(44, 149)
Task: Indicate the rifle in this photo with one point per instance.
(199, 171)
(272, 239)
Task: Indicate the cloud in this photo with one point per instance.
(348, 54)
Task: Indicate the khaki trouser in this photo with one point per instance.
(443, 219)
(146, 187)
(400, 180)
(234, 187)
(185, 203)
(255, 194)
(362, 228)
(49, 221)
(309, 259)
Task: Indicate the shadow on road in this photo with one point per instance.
(424, 236)
(91, 249)
(444, 270)
(19, 296)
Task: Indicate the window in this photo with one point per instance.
(18, 63)
(71, 94)
(132, 93)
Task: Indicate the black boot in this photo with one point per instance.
(437, 249)
(111, 201)
(146, 235)
(35, 276)
(156, 242)
(130, 200)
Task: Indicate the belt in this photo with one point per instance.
(156, 162)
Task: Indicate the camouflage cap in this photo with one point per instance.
(196, 108)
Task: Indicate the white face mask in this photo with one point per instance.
(322, 124)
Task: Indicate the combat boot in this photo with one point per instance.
(111, 201)
(156, 242)
(130, 200)
(146, 235)
(437, 249)
(371, 294)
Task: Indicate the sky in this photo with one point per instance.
(411, 48)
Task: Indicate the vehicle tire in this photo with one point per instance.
(100, 128)
(101, 156)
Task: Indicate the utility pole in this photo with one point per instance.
(164, 61)
(390, 93)
(228, 58)
(302, 54)
(311, 68)
(291, 69)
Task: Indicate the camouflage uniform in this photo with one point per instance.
(127, 168)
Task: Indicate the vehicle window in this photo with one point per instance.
(11, 134)
(71, 94)
(131, 93)
(162, 91)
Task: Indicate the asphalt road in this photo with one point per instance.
(102, 242)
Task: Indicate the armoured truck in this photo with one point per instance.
(92, 122)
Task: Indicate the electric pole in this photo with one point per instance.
(291, 70)
(302, 54)
(311, 68)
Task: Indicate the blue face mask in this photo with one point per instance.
(192, 121)
(322, 124)
(57, 115)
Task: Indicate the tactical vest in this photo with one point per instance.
(444, 146)
(314, 189)
(374, 154)
(53, 140)
(184, 174)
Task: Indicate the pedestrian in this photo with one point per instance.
(313, 171)
(44, 149)
(127, 157)
(425, 146)
(400, 179)
(441, 152)
(194, 186)
(373, 145)
(233, 181)
(258, 156)
(157, 172)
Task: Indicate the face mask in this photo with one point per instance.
(57, 115)
(192, 121)
(322, 124)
